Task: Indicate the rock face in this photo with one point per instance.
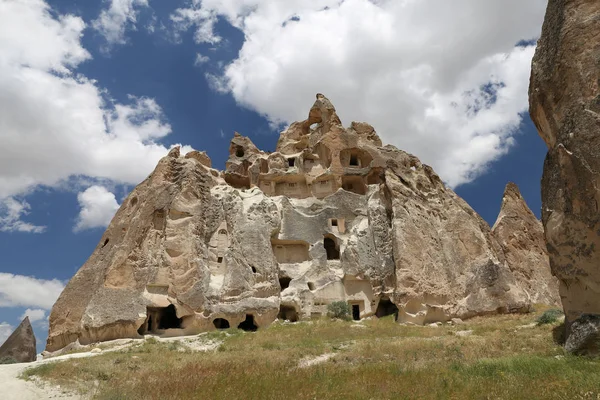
(331, 215)
(565, 106)
(20, 345)
(521, 236)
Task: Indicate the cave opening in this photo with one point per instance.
(248, 325)
(331, 248)
(284, 282)
(287, 313)
(385, 308)
(221, 323)
(356, 312)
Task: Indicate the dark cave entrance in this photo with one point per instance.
(356, 312)
(160, 318)
(284, 282)
(248, 325)
(385, 308)
(331, 248)
(221, 323)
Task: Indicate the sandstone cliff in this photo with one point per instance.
(521, 236)
(330, 215)
(565, 106)
(20, 345)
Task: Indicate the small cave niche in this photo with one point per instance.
(159, 219)
(287, 313)
(311, 285)
(253, 270)
(239, 152)
(284, 282)
(331, 247)
(221, 323)
(354, 184)
(219, 260)
(105, 243)
(354, 160)
(291, 162)
(248, 324)
(385, 308)
(355, 157)
(133, 201)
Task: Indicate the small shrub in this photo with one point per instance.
(549, 316)
(7, 360)
(339, 310)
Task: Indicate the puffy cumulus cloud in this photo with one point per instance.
(5, 330)
(56, 124)
(442, 80)
(35, 315)
(116, 18)
(11, 211)
(27, 291)
(98, 206)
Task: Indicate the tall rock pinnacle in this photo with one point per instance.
(565, 106)
(20, 345)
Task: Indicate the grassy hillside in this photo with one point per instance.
(504, 357)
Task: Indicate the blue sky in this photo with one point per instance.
(92, 94)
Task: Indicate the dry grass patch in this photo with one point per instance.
(383, 360)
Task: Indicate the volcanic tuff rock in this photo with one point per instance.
(20, 345)
(564, 100)
(521, 236)
(330, 215)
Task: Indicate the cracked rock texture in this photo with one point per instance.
(331, 215)
(565, 106)
(20, 345)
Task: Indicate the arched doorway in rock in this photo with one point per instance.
(248, 325)
(160, 318)
(385, 308)
(287, 313)
(331, 247)
(221, 323)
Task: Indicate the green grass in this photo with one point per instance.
(382, 360)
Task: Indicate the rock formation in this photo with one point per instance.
(521, 236)
(331, 215)
(20, 345)
(565, 106)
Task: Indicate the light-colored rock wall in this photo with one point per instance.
(565, 106)
(331, 215)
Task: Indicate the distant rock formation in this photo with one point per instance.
(564, 100)
(331, 215)
(521, 236)
(20, 345)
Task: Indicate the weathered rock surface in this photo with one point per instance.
(565, 106)
(20, 345)
(330, 215)
(521, 236)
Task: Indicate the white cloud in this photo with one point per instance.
(419, 71)
(27, 291)
(114, 20)
(98, 206)
(200, 59)
(11, 211)
(35, 315)
(56, 124)
(5, 331)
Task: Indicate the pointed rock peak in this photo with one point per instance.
(175, 152)
(20, 345)
(241, 146)
(513, 204)
(512, 190)
(323, 112)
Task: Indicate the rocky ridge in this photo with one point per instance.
(331, 215)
